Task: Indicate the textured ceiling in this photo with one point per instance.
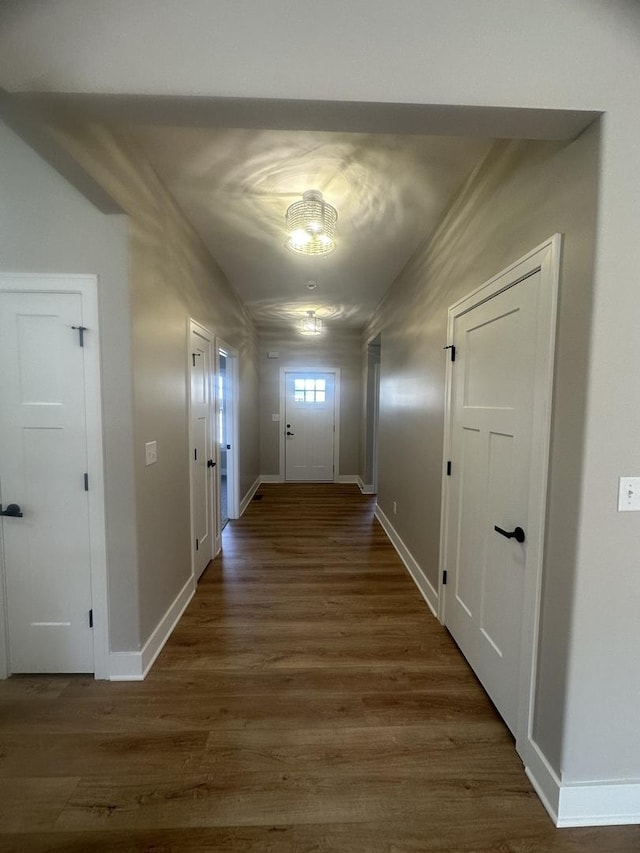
(235, 186)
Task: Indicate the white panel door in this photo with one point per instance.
(203, 510)
(493, 394)
(43, 461)
(309, 426)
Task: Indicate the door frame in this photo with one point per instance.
(375, 444)
(87, 287)
(336, 371)
(545, 258)
(194, 326)
(233, 402)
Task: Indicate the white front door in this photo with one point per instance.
(309, 426)
(203, 461)
(43, 470)
(501, 353)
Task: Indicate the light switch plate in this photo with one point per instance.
(275, 418)
(629, 494)
(151, 453)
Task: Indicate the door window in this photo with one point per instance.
(310, 390)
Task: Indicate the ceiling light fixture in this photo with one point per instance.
(310, 324)
(311, 225)
(312, 284)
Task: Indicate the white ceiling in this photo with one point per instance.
(235, 186)
(391, 169)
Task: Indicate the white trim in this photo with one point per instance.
(544, 780)
(125, 666)
(246, 500)
(599, 803)
(193, 327)
(271, 478)
(346, 478)
(87, 287)
(365, 489)
(134, 666)
(420, 579)
(233, 405)
(337, 372)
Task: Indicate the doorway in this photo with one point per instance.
(53, 548)
(310, 426)
(501, 344)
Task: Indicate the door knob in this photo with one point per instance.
(517, 534)
(211, 463)
(290, 433)
(12, 511)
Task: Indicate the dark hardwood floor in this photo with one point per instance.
(307, 701)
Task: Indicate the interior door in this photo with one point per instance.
(224, 437)
(309, 426)
(43, 470)
(493, 394)
(203, 461)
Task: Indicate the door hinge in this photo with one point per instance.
(444, 578)
(449, 468)
(453, 351)
(197, 544)
(91, 618)
(86, 482)
(80, 330)
(195, 453)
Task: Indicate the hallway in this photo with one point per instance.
(307, 701)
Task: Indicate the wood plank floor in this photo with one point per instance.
(307, 701)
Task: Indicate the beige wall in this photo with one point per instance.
(334, 348)
(522, 194)
(172, 278)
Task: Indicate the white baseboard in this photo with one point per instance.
(246, 500)
(271, 478)
(346, 478)
(600, 803)
(134, 666)
(420, 579)
(365, 489)
(542, 776)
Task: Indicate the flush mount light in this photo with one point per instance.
(311, 225)
(312, 284)
(310, 324)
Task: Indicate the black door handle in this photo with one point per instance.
(211, 463)
(517, 534)
(12, 511)
(290, 433)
